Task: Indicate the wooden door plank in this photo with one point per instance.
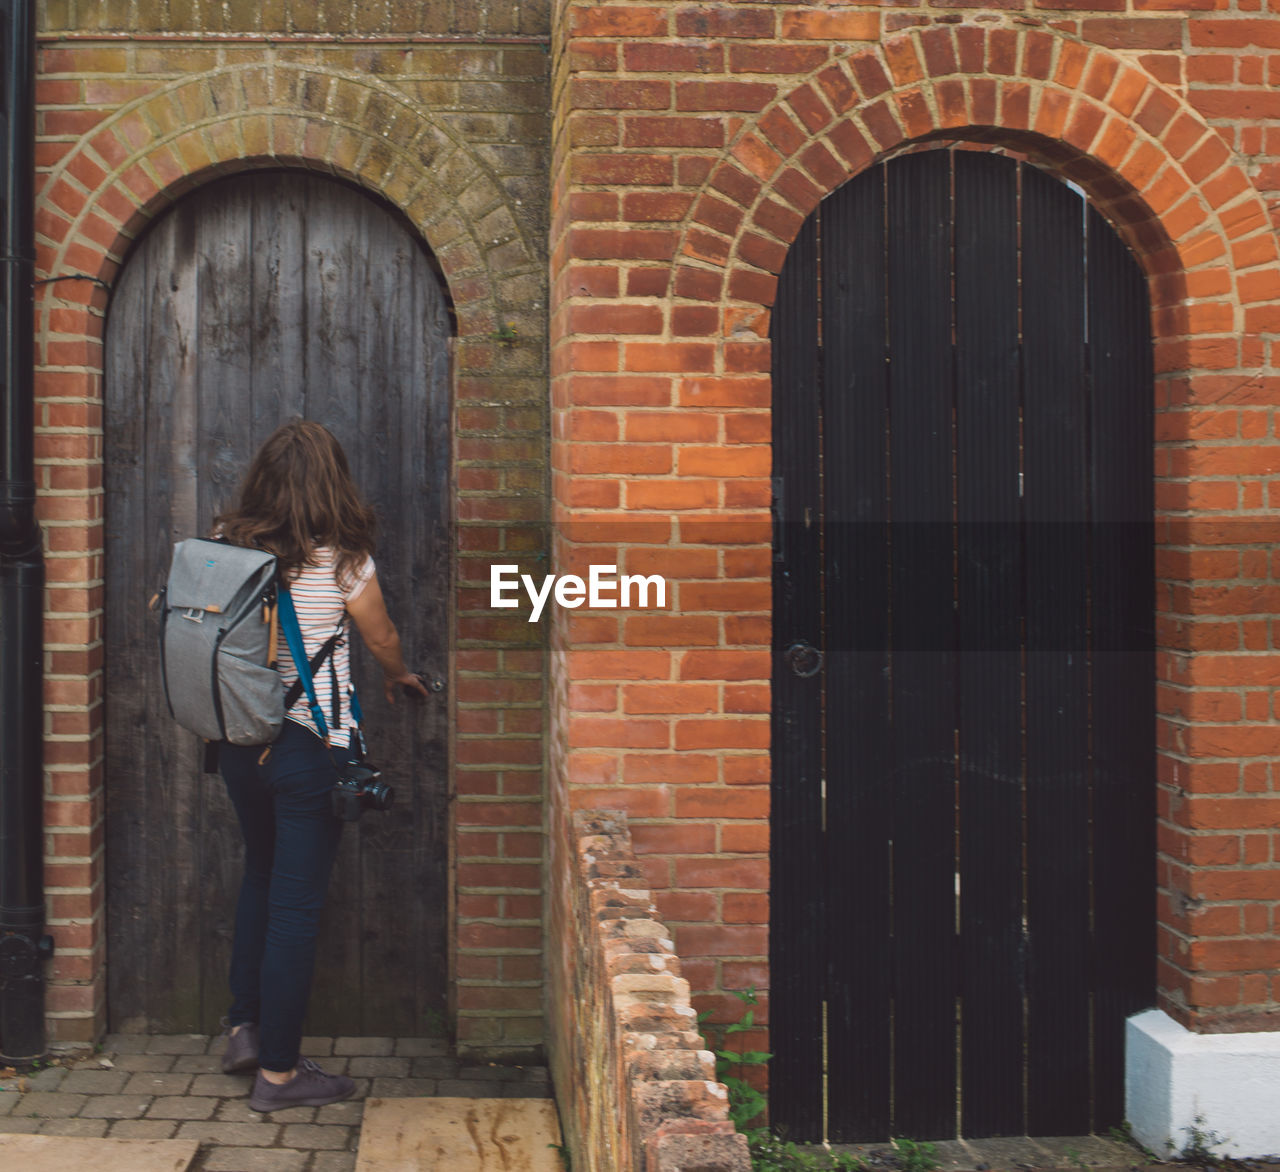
(923, 637)
(424, 619)
(1123, 666)
(174, 815)
(130, 543)
(279, 328)
(336, 266)
(390, 339)
(796, 938)
(386, 844)
(154, 497)
(222, 413)
(336, 271)
(859, 769)
(1057, 704)
(405, 530)
(990, 608)
(223, 404)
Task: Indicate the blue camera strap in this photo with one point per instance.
(293, 639)
(297, 649)
(306, 671)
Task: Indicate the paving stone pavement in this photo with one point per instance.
(1083, 1153)
(171, 1087)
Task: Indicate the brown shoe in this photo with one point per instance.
(242, 1049)
(310, 1087)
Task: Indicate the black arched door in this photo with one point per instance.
(963, 903)
(256, 299)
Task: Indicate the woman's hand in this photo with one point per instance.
(379, 633)
(408, 680)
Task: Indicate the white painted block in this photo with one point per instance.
(1225, 1083)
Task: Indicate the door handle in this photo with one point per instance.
(804, 659)
(431, 682)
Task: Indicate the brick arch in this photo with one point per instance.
(91, 206)
(1165, 179)
(104, 193)
(1170, 185)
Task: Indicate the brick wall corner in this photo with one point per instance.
(636, 1082)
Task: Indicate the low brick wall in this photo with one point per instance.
(636, 1083)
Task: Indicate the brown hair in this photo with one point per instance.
(297, 495)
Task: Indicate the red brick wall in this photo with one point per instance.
(691, 142)
(454, 135)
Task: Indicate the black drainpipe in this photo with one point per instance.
(23, 944)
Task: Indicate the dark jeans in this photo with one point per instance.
(290, 840)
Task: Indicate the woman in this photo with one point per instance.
(300, 502)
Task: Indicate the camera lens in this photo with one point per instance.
(377, 795)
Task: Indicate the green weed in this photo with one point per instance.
(771, 1152)
(915, 1156)
(745, 1102)
(1201, 1141)
(1124, 1134)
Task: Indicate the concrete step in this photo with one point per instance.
(459, 1135)
(57, 1153)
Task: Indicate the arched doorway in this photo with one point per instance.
(963, 821)
(258, 298)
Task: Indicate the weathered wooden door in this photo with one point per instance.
(963, 907)
(256, 299)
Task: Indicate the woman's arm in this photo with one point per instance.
(369, 611)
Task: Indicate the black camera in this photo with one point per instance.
(360, 788)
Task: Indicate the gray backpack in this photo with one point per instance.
(217, 642)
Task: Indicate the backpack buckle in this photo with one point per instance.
(193, 615)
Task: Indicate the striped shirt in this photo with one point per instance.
(321, 605)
